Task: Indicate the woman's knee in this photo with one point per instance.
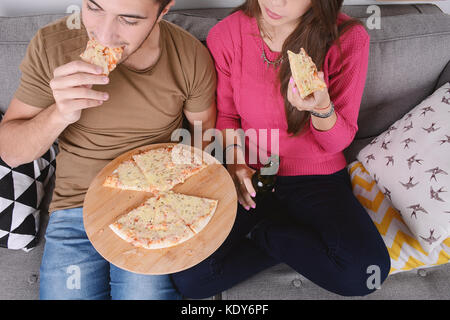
(189, 288)
(196, 282)
(365, 275)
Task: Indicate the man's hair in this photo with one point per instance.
(162, 5)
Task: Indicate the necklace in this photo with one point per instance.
(263, 54)
(266, 60)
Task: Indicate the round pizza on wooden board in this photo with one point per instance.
(103, 206)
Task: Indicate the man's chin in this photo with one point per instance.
(124, 58)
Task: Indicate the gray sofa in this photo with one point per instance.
(408, 56)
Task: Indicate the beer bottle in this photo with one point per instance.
(263, 180)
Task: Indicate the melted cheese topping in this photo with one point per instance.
(189, 208)
(154, 225)
(161, 172)
(131, 176)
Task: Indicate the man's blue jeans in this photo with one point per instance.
(71, 268)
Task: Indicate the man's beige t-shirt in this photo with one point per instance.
(144, 107)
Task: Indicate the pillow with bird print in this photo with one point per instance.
(410, 163)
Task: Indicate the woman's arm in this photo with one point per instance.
(221, 46)
(345, 90)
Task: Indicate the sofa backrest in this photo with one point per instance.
(407, 55)
(15, 34)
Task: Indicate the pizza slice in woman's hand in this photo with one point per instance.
(304, 72)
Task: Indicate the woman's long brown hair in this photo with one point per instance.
(316, 33)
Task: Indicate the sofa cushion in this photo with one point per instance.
(22, 190)
(405, 251)
(410, 163)
(198, 26)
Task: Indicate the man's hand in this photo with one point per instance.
(72, 91)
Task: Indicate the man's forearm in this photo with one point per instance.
(22, 141)
(198, 133)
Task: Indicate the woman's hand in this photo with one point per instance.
(242, 178)
(318, 101)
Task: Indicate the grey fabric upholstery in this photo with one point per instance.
(282, 283)
(444, 77)
(360, 11)
(357, 11)
(405, 65)
(15, 34)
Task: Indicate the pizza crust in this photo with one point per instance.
(202, 221)
(116, 228)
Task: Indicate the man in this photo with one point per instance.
(164, 73)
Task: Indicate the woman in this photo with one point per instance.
(312, 221)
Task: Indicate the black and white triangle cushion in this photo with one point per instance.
(21, 192)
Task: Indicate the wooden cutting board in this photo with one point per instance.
(103, 206)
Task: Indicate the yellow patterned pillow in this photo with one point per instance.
(405, 251)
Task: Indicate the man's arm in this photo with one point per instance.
(27, 132)
(207, 119)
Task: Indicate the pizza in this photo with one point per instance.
(165, 220)
(104, 57)
(304, 72)
(168, 166)
(194, 211)
(128, 176)
(156, 170)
